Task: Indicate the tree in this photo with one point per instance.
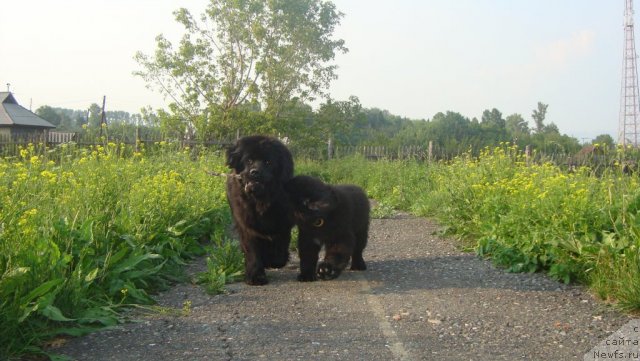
(493, 127)
(171, 125)
(249, 51)
(450, 132)
(493, 118)
(147, 117)
(516, 126)
(552, 128)
(63, 119)
(49, 114)
(95, 115)
(337, 119)
(604, 140)
(539, 115)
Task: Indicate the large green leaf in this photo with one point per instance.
(53, 313)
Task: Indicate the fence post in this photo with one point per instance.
(527, 154)
(329, 149)
(430, 150)
(45, 141)
(137, 140)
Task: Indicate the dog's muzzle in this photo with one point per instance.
(254, 187)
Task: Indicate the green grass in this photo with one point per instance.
(395, 185)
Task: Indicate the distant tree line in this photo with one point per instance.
(120, 124)
(347, 123)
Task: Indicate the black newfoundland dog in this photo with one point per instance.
(336, 217)
(260, 207)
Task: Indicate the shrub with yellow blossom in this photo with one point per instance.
(527, 216)
(84, 231)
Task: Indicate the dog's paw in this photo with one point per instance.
(257, 280)
(327, 271)
(307, 278)
(358, 265)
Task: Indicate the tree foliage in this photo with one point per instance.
(242, 55)
(516, 126)
(539, 114)
(63, 119)
(346, 122)
(604, 140)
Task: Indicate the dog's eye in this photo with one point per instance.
(318, 223)
(268, 163)
(250, 161)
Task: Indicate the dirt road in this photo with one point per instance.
(420, 299)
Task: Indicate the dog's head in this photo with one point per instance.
(262, 164)
(312, 200)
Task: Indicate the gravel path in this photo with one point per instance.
(420, 299)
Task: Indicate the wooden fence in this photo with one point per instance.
(599, 160)
(383, 152)
(10, 144)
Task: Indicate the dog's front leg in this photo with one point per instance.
(254, 273)
(308, 250)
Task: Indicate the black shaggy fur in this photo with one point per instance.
(336, 217)
(260, 207)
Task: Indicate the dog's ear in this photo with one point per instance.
(286, 171)
(286, 166)
(327, 201)
(320, 205)
(234, 156)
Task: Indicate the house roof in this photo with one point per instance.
(13, 114)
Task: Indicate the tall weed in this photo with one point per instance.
(225, 264)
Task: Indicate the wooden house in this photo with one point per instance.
(19, 122)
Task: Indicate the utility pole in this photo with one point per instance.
(629, 95)
(103, 117)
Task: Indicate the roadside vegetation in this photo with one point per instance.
(87, 233)
(578, 226)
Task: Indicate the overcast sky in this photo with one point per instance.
(413, 58)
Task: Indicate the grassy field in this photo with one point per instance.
(85, 233)
(88, 233)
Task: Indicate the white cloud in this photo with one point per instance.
(559, 53)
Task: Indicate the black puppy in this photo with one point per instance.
(336, 217)
(260, 207)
